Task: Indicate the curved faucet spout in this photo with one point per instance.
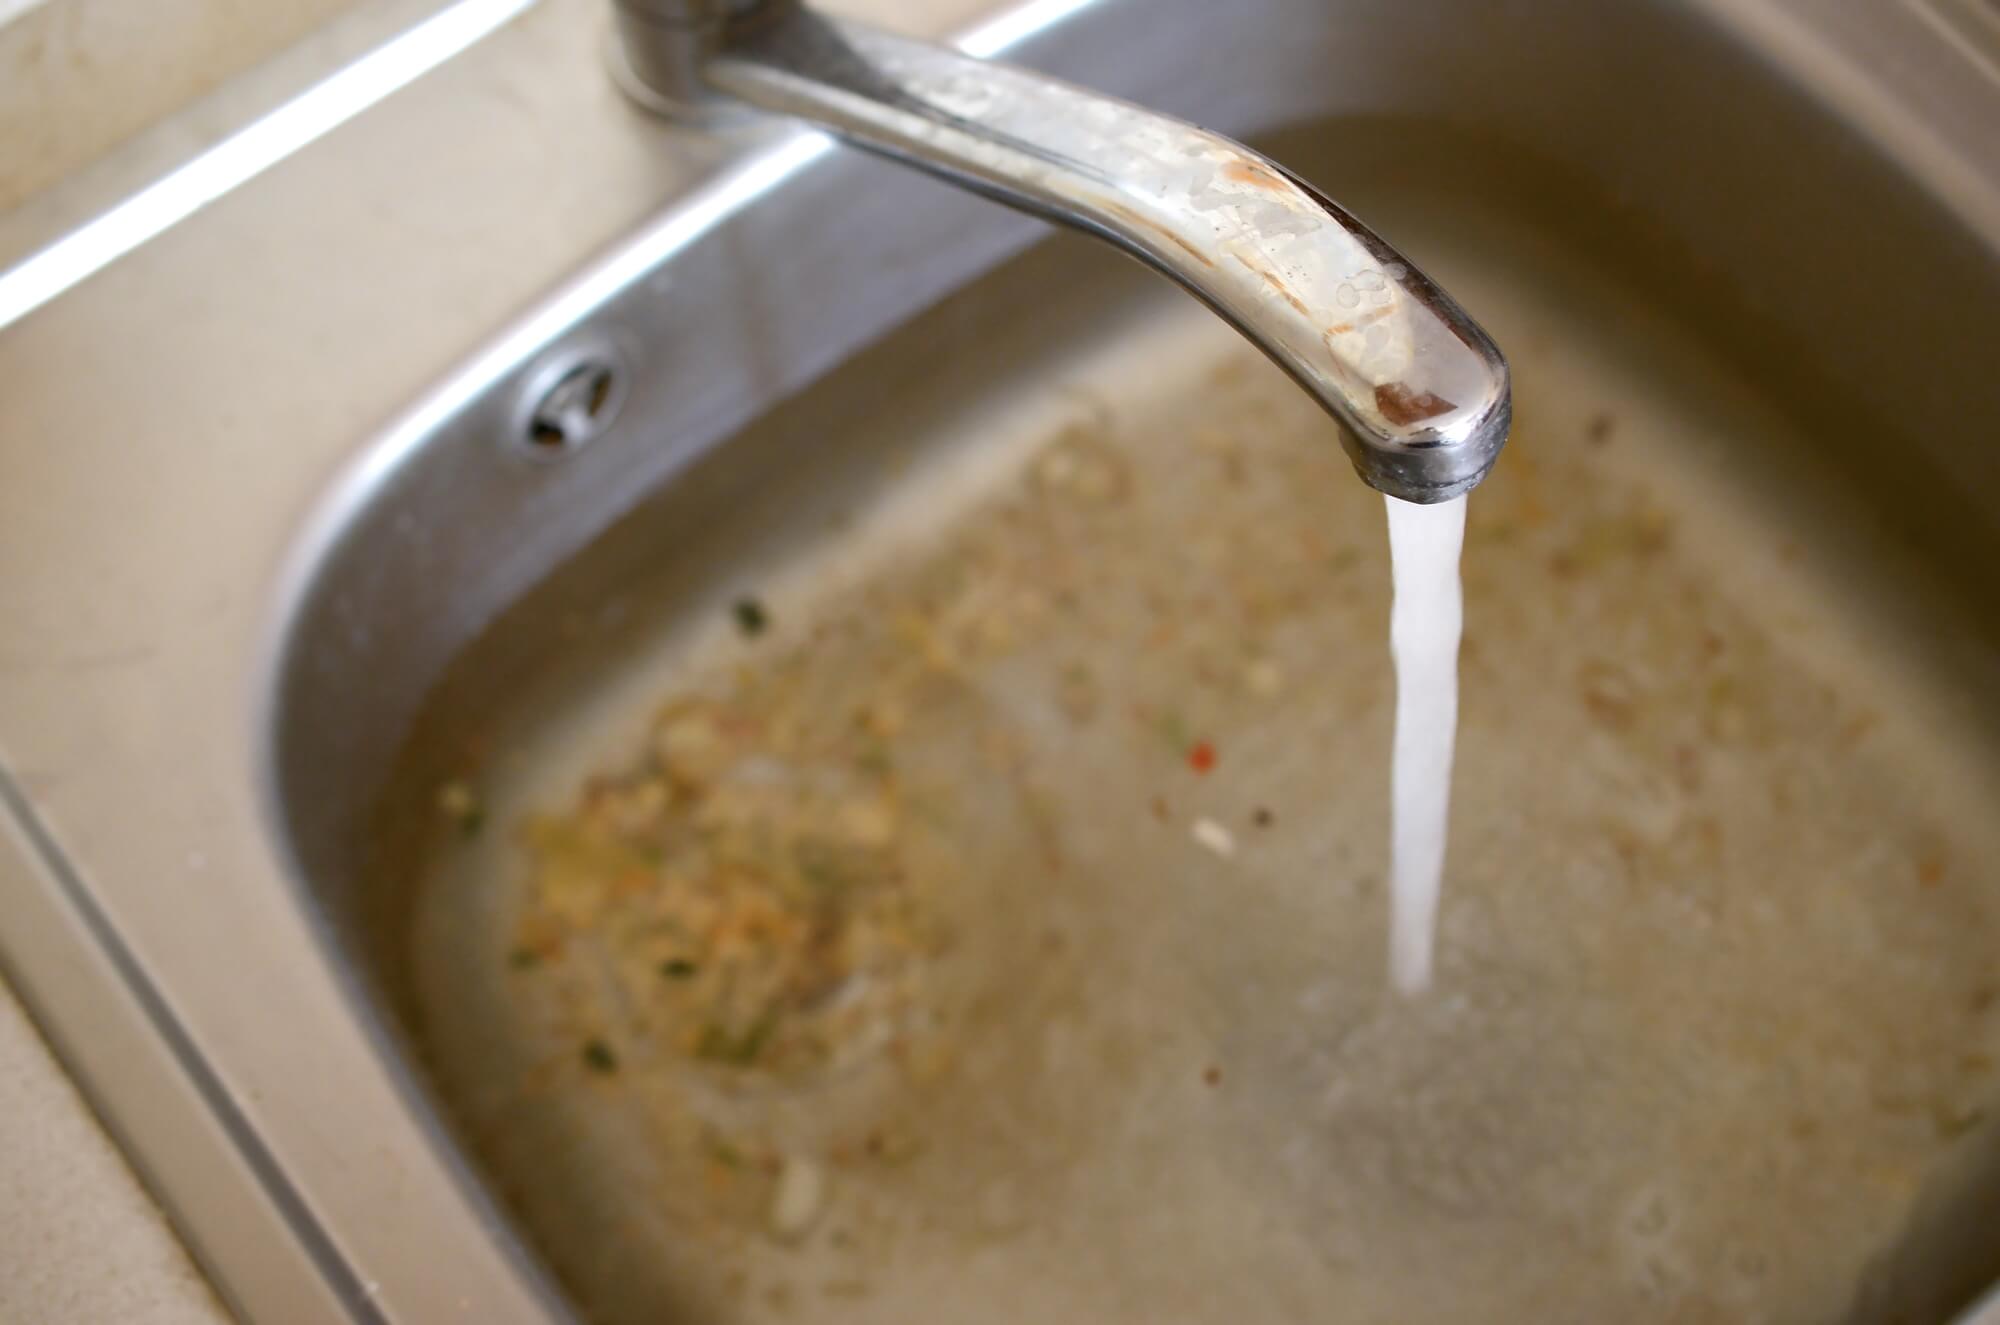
(1420, 391)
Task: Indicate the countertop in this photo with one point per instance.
(80, 1240)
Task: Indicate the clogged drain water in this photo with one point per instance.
(997, 930)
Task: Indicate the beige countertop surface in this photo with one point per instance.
(80, 1240)
(85, 75)
(102, 109)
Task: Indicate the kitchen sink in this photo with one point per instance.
(1716, 1029)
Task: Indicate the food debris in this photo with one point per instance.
(1215, 837)
(717, 1045)
(1954, 1119)
(798, 1198)
(1262, 817)
(892, 1145)
(751, 617)
(1077, 693)
(1609, 694)
(598, 1057)
(458, 802)
(1201, 756)
(1081, 465)
(1263, 678)
(744, 887)
(1211, 1076)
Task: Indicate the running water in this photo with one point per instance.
(1424, 622)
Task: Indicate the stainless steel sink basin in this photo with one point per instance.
(1719, 998)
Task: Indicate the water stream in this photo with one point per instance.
(1424, 625)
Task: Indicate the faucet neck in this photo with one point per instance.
(1420, 391)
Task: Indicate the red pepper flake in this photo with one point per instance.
(1201, 758)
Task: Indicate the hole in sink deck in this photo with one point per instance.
(871, 952)
(572, 405)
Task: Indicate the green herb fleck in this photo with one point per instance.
(460, 804)
(751, 618)
(678, 968)
(717, 1045)
(1955, 1120)
(754, 1039)
(522, 959)
(822, 873)
(597, 1056)
(1174, 729)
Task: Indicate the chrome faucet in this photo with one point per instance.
(1420, 391)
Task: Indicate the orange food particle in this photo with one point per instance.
(1202, 757)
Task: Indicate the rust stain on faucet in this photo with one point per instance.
(1285, 292)
(1403, 407)
(1321, 294)
(1143, 224)
(1366, 319)
(1257, 177)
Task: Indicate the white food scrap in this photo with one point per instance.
(798, 1198)
(1215, 837)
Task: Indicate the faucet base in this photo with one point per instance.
(661, 89)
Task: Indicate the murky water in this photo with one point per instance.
(1715, 1020)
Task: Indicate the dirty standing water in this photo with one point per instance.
(1424, 624)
